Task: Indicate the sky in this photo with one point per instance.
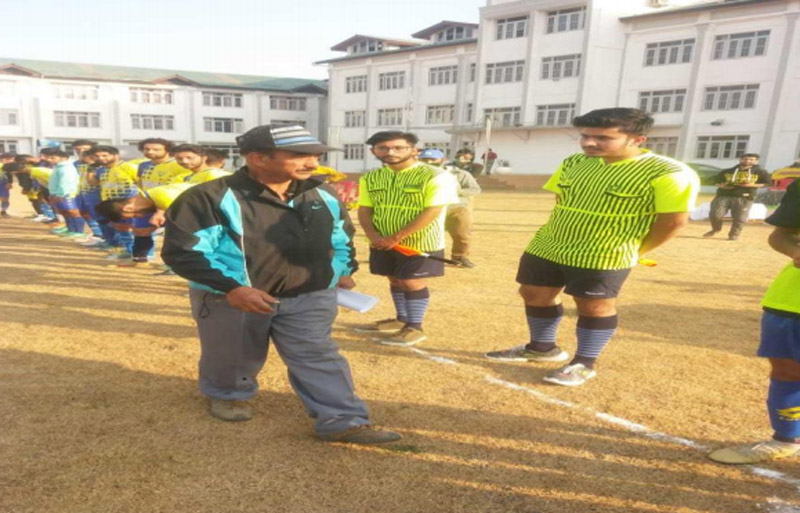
(257, 37)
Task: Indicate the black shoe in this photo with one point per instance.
(4, 214)
(464, 262)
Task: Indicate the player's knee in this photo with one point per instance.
(785, 369)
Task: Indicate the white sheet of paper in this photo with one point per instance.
(355, 300)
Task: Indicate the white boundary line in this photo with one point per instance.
(774, 505)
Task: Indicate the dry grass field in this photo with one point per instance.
(99, 410)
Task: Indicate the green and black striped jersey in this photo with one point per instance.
(604, 211)
(397, 197)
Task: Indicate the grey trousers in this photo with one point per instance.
(234, 348)
(739, 207)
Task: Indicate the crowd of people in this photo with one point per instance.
(266, 248)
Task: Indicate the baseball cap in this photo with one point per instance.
(292, 138)
(431, 153)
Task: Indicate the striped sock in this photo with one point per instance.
(78, 225)
(95, 227)
(417, 304)
(543, 324)
(399, 299)
(593, 335)
(783, 401)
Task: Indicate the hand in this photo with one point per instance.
(386, 243)
(159, 218)
(346, 282)
(251, 300)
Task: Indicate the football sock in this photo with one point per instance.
(399, 299)
(783, 404)
(593, 335)
(543, 324)
(417, 304)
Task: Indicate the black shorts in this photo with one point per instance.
(396, 265)
(578, 282)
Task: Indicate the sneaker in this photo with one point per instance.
(572, 375)
(72, 235)
(710, 234)
(733, 237)
(755, 453)
(230, 411)
(383, 326)
(464, 262)
(101, 246)
(59, 230)
(118, 254)
(89, 241)
(522, 354)
(4, 214)
(406, 337)
(39, 218)
(365, 434)
(133, 262)
(167, 272)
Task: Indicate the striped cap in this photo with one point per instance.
(292, 138)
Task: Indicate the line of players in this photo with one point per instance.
(84, 190)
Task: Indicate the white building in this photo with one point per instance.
(718, 75)
(119, 105)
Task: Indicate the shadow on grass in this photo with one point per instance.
(96, 436)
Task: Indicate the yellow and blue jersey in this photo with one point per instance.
(119, 181)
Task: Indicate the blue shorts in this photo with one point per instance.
(142, 222)
(67, 203)
(87, 202)
(780, 336)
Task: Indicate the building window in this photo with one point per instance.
(8, 117)
(736, 97)
(667, 146)
(669, 52)
(473, 71)
(367, 46)
(440, 114)
(745, 44)
(504, 116)
(76, 119)
(563, 66)
(224, 125)
(392, 80)
(8, 145)
(157, 96)
(662, 101)
(390, 117)
(354, 152)
(152, 122)
(287, 103)
(75, 92)
(287, 122)
(222, 100)
(453, 34)
(555, 115)
(442, 75)
(565, 20)
(357, 84)
(468, 113)
(721, 146)
(354, 118)
(501, 72)
(510, 28)
(444, 147)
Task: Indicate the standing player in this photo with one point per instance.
(737, 187)
(117, 181)
(63, 188)
(615, 202)
(6, 181)
(780, 342)
(403, 202)
(193, 158)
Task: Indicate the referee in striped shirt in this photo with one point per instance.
(403, 202)
(615, 202)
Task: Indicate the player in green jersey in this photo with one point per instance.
(403, 202)
(615, 202)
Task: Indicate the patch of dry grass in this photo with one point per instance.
(100, 410)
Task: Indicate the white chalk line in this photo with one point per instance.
(775, 505)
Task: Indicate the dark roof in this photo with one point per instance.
(400, 50)
(428, 32)
(341, 47)
(78, 71)
(702, 7)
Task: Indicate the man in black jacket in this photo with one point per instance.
(736, 190)
(264, 250)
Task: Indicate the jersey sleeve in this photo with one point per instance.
(441, 190)
(363, 194)
(787, 215)
(676, 192)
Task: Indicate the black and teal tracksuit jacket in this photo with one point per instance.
(234, 232)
